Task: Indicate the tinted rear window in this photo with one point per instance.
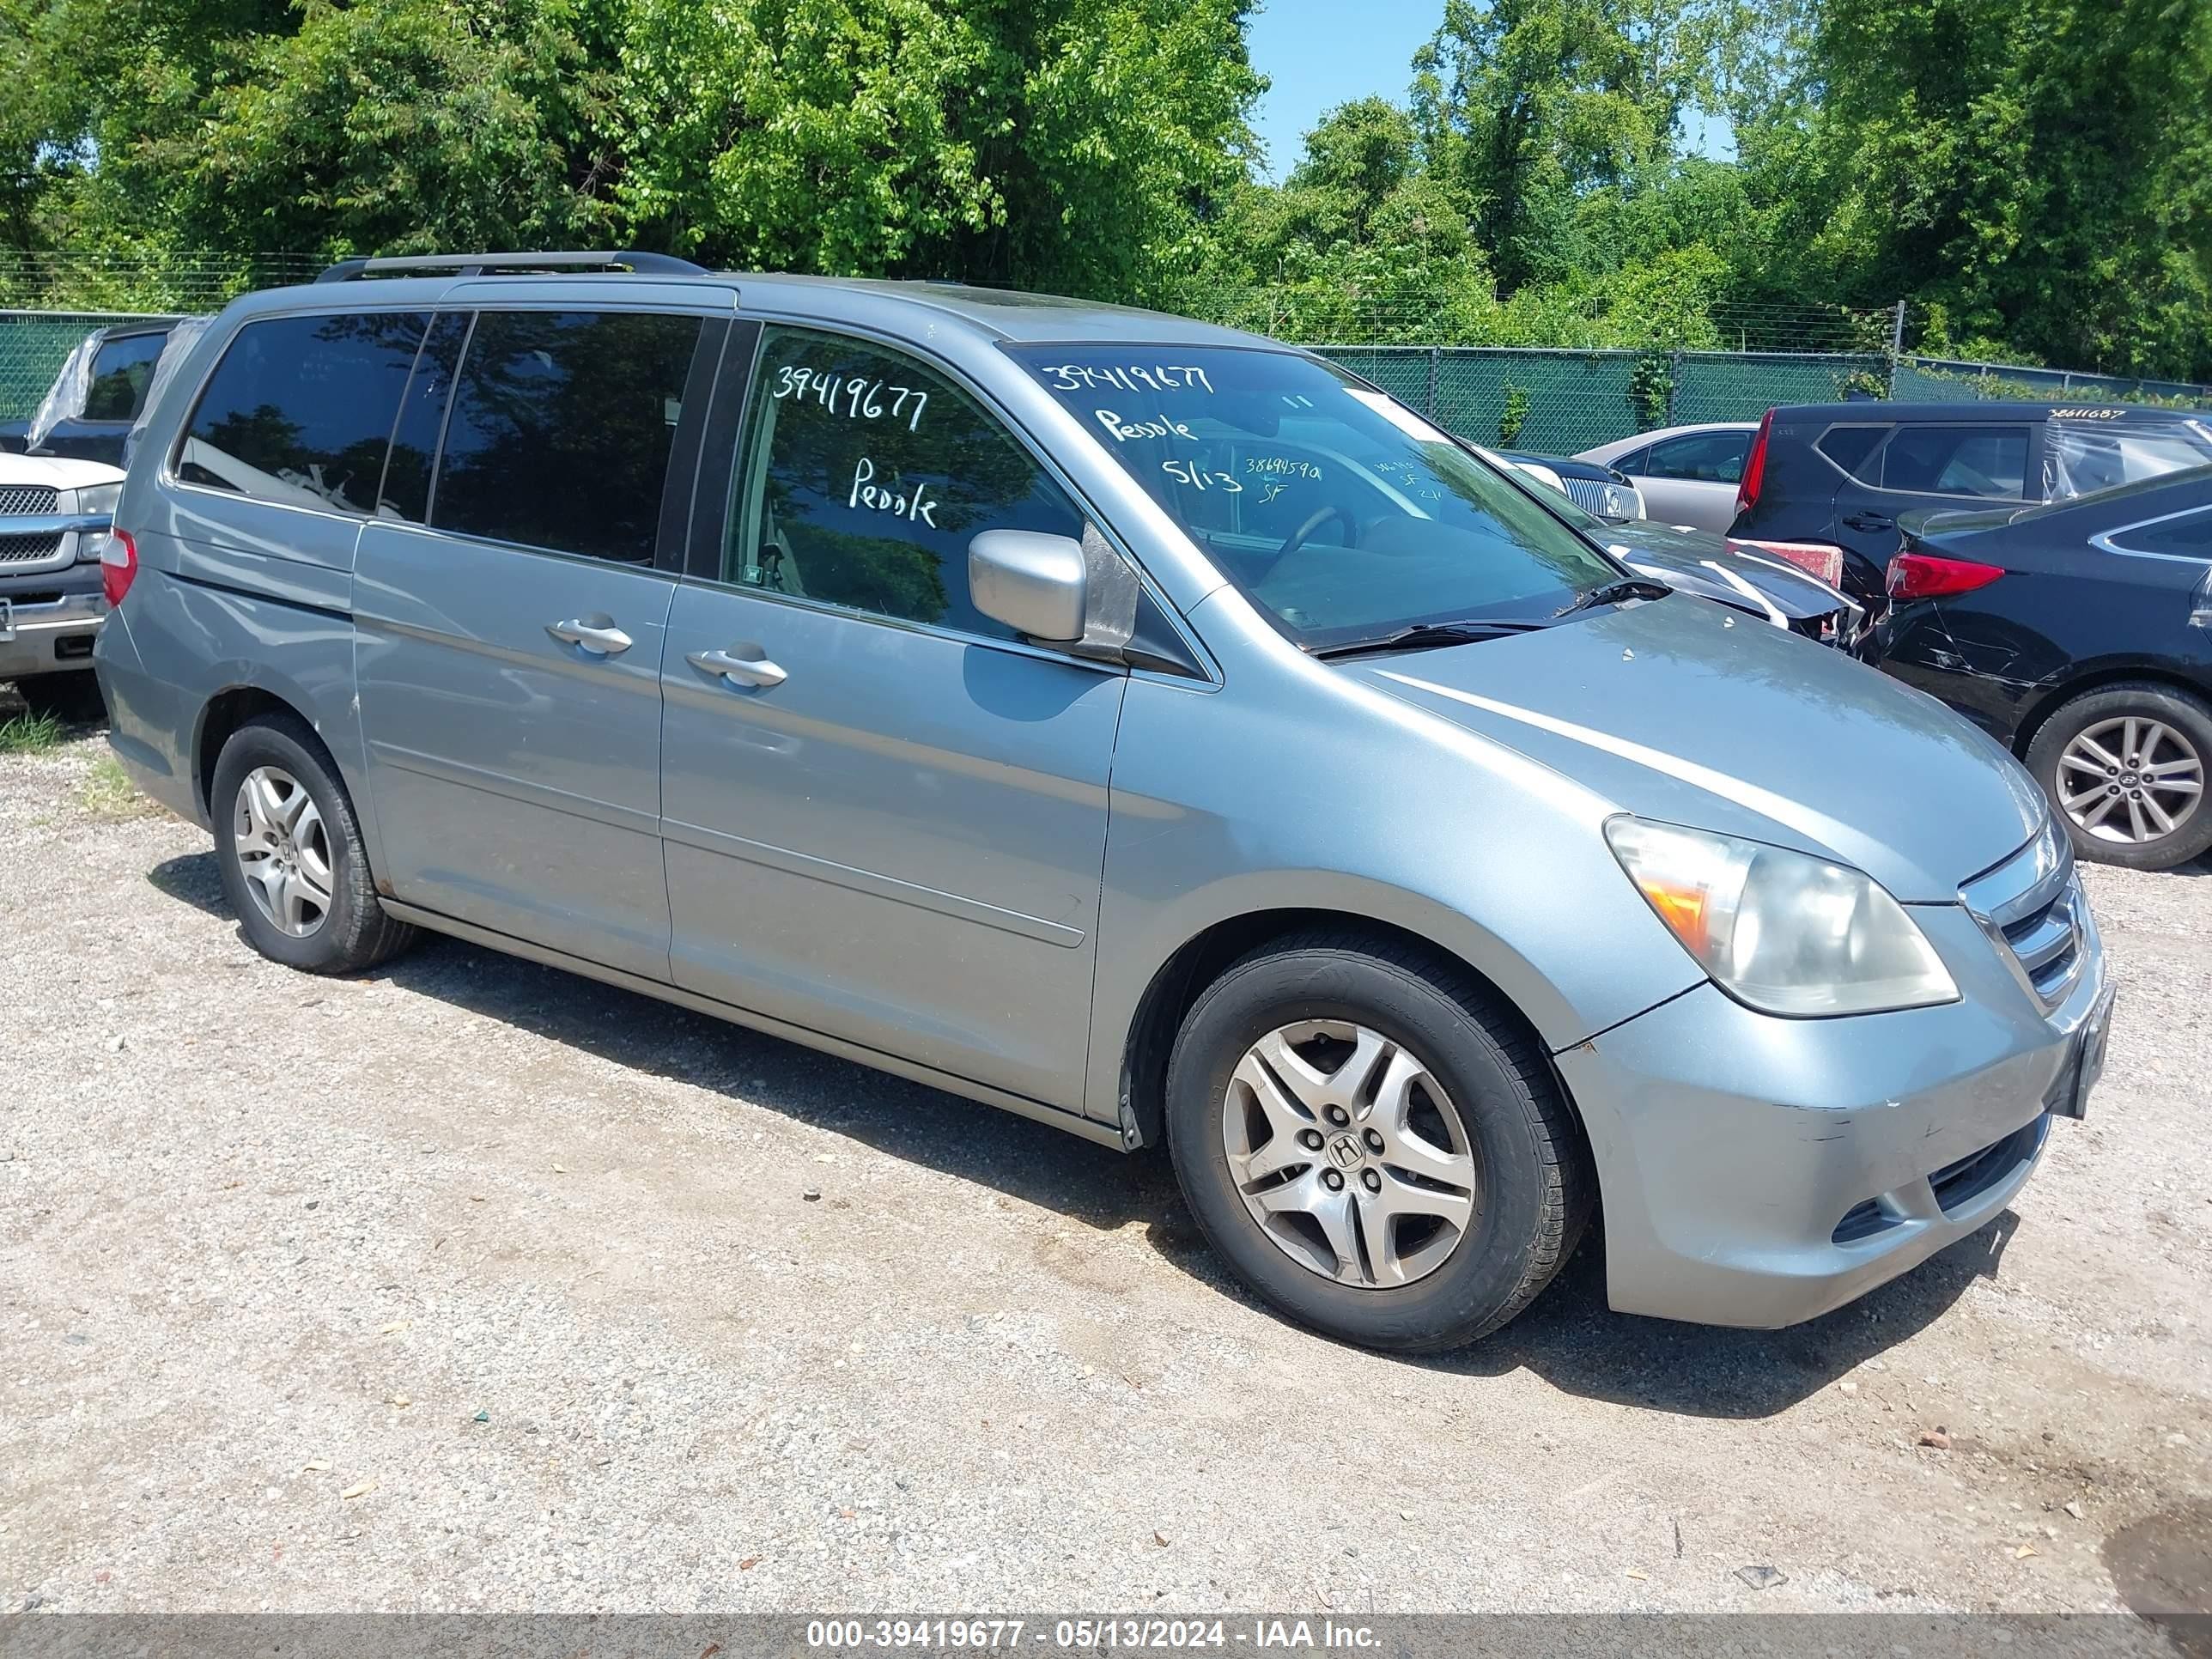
(1957, 460)
(1848, 446)
(561, 430)
(300, 409)
(120, 369)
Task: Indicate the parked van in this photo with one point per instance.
(1140, 725)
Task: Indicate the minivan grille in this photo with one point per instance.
(28, 549)
(28, 498)
(2031, 905)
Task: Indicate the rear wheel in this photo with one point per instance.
(1374, 1143)
(2126, 766)
(290, 854)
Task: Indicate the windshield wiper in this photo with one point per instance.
(1612, 593)
(1423, 635)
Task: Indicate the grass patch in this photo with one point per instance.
(108, 792)
(30, 734)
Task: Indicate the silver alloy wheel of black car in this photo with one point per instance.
(1348, 1153)
(2132, 780)
(283, 850)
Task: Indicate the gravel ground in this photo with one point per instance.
(472, 1285)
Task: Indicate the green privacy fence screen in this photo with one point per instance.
(32, 346)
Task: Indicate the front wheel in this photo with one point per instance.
(290, 850)
(1374, 1143)
(2125, 766)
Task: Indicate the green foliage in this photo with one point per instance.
(1020, 143)
(1513, 417)
(2033, 176)
(2040, 170)
(30, 734)
(1651, 389)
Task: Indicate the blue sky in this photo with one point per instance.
(1321, 53)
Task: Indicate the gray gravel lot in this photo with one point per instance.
(472, 1285)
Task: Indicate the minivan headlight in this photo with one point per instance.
(1784, 932)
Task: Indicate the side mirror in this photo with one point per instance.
(1037, 585)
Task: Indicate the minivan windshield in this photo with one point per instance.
(1345, 515)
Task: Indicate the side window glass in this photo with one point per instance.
(1848, 448)
(1633, 463)
(2188, 536)
(1702, 457)
(1958, 460)
(865, 476)
(120, 371)
(300, 409)
(406, 492)
(560, 430)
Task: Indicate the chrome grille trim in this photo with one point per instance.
(28, 498)
(25, 550)
(2031, 906)
(1588, 493)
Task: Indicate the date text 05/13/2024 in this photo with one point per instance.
(1091, 1635)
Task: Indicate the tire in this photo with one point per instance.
(73, 697)
(2175, 729)
(1489, 1092)
(351, 931)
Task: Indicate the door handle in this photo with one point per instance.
(1869, 521)
(753, 670)
(600, 639)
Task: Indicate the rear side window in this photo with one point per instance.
(560, 430)
(1958, 460)
(120, 370)
(1701, 457)
(299, 412)
(1849, 446)
(2185, 536)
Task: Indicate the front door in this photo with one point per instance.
(884, 818)
(510, 608)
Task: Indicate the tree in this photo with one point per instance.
(1525, 105)
(2037, 172)
(1080, 147)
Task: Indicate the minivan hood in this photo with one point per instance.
(1683, 713)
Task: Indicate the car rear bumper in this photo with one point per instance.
(50, 622)
(1757, 1171)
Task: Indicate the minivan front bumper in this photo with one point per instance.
(1757, 1171)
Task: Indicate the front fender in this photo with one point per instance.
(1368, 809)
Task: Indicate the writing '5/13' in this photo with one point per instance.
(1197, 477)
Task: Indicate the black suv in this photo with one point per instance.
(114, 391)
(1826, 482)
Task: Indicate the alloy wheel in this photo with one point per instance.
(1349, 1154)
(2132, 780)
(283, 850)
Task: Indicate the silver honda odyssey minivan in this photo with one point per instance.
(1134, 723)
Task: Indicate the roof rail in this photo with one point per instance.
(476, 264)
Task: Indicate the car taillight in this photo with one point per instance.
(1754, 466)
(119, 565)
(1924, 576)
(1821, 559)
